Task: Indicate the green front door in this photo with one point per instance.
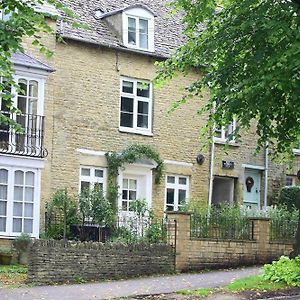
(252, 181)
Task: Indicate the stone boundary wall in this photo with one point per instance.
(197, 254)
(58, 261)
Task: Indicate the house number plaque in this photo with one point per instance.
(227, 164)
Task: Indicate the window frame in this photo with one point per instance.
(224, 138)
(10, 202)
(293, 180)
(138, 14)
(176, 186)
(92, 179)
(136, 99)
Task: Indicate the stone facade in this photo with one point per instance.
(82, 107)
(196, 254)
(59, 262)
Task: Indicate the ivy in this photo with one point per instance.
(130, 155)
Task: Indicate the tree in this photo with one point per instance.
(21, 19)
(249, 53)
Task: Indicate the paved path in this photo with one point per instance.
(125, 288)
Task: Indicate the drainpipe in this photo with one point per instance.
(211, 170)
(266, 174)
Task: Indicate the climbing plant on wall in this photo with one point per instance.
(117, 160)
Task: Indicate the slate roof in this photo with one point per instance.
(168, 30)
(26, 60)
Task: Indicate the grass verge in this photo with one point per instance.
(251, 283)
(12, 276)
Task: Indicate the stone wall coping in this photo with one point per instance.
(281, 243)
(259, 219)
(222, 240)
(185, 213)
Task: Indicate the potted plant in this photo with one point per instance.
(6, 255)
(21, 244)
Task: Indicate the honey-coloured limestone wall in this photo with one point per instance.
(197, 254)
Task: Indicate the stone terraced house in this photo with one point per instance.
(95, 95)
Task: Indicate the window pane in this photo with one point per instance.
(170, 196)
(85, 172)
(17, 225)
(127, 87)
(144, 41)
(142, 121)
(125, 194)
(23, 86)
(218, 133)
(28, 210)
(3, 176)
(3, 192)
(84, 185)
(29, 194)
(131, 31)
(2, 224)
(98, 186)
(143, 26)
(32, 109)
(143, 107)
(171, 179)
(33, 88)
(143, 89)
(29, 178)
(124, 205)
(3, 208)
(99, 173)
(182, 180)
(181, 196)
(18, 193)
(289, 181)
(132, 184)
(132, 195)
(28, 226)
(22, 106)
(127, 120)
(19, 177)
(126, 104)
(170, 207)
(18, 209)
(125, 183)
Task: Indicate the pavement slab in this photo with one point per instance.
(131, 287)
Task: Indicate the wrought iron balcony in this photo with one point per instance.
(30, 142)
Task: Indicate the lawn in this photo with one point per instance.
(251, 283)
(12, 276)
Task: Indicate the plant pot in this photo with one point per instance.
(5, 259)
(23, 257)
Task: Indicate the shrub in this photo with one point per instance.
(284, 270)
(22, 242)
(290, 196)
(61, 212)
(95, 208)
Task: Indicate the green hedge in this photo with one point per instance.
(290, 196)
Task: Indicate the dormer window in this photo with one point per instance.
(138, 32)
(138, 25)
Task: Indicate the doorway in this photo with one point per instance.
(252, 186)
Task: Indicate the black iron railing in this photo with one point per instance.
(283, 230)
(29, 142)
(217, 226)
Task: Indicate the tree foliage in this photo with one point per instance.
(249, 53)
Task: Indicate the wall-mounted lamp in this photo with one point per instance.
(200, 159)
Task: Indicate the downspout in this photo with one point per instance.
(211, 170)
(266, 175)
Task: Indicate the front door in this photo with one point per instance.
(252, 188)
